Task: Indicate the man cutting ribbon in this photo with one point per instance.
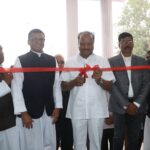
(87, 105)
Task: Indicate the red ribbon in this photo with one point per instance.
(85, 69)
(83, 72)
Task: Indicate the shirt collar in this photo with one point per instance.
(126, 58)
(39, 54)
(85, 60)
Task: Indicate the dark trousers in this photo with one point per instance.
(64, 134)
(107, 138)
(140, 139)
(133, 126)
(141, 132)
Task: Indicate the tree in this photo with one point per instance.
(136, 20)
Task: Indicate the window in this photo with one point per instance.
(89, 18)
(19, 17)
(117, 7)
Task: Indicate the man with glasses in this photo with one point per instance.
(37, 96)
(63, 125)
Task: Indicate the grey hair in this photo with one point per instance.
(35, 31)
(86, 33)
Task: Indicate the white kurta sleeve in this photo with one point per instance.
(4, 88)
(57, 90)
(17, 85)
(107, 75)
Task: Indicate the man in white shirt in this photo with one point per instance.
(9, 137)
(87, 105)
(128, 94)
(37, 96)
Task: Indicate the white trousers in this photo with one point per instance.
(94, 128)
(9, 139)
(41, 137)
(147, 134)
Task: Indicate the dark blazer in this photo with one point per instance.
(139, 79)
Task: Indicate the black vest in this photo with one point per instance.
(7, 117)
(38, 86)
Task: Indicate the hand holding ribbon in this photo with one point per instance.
(82, 76)
(83, 72)
(97, 72)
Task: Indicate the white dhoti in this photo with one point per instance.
(147, 134)
(41, 137)
(9, 139)
(94, 127)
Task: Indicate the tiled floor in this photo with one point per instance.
(141, 147)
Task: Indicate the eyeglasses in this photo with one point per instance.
(86, 44)
(61, 62)
(40, 40)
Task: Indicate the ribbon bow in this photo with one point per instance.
(87, 68)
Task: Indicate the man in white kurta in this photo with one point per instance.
(36, 133)
(9, 136)
(87, 105)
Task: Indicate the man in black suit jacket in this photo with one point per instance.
(128, 94)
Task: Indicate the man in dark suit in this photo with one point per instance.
(128, 94)
(9, 138)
